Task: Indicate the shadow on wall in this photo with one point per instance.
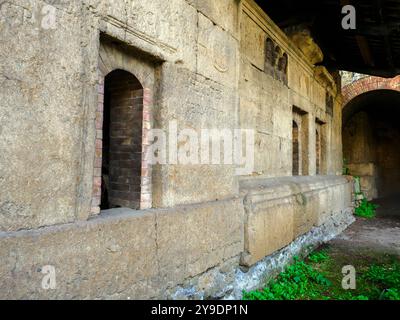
(122, 141)
(371, 133)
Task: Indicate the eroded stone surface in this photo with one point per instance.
(122, 253)
(202, 64)
(280, 210)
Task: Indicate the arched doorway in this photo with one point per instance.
(122, 141)
(371, 133)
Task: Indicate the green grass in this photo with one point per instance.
(366, 209)
(319, 256)
(319, 277)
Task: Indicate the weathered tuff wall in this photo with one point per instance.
(269, 106)
(189, 251)
(200, 63)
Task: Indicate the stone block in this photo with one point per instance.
(362, 169)
(109, 254)
(280, 210)
(217, 53)
(121, 253)
(223, 13)
(269, 224)
(253, 42)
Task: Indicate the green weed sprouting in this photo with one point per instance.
(312, 280)
(366, 209)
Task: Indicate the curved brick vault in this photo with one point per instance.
(367, 84)
(369, 134)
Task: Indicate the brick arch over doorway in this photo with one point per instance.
(112, 58)
(370, 133)
(122, 141)
(367, 84)
(122, 178)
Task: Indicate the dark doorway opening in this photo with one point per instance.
(318, 152)
(371, 135)
(296, 149)
(122, 141)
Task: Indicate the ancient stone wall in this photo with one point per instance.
(270, 107)
(201, 64)
(210, 250)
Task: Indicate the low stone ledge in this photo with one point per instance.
(192, 251)
(228, 280)
(121, 253)
(256, 276)
(282, 209)
(275, 188)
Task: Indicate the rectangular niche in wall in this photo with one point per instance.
(276, 61)
(299, 142)
(320, 147)
(122, 174)
(122, 141)
(329, 103)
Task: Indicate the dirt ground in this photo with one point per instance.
(366, 243)
(371, 247)
(381, 234)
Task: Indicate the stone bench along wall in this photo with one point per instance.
(280, 210)
(121, 253)
(186, 252)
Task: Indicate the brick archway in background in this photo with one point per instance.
(369, 133)
(366, 84)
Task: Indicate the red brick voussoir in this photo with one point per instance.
(367, 84)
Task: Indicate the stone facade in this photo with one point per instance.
(202, 64)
